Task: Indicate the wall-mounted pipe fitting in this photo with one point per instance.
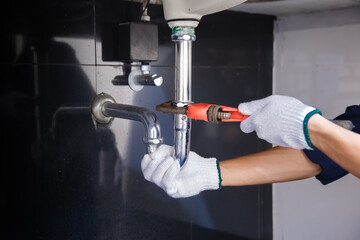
(105, 109)
(137, 77)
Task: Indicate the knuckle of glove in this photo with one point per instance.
(150, 168)
(262, 134)
(161, 169)
(243, 108)
(145, 162)
(170, 179)
(162, 152)
(170, 190)
(261, 131)
(248, 125)
(147, 175)
(244, 126)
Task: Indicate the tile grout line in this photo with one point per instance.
(94, 22)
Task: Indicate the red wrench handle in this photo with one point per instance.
(236, 116)
(199, 111)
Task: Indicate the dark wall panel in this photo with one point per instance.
(63, 178)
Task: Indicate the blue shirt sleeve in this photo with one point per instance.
(331, 171)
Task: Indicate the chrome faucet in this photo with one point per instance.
(104, 109)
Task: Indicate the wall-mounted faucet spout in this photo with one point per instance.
(152, 136)
(104, 109)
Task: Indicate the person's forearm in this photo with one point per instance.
(341, 145)
(274, 165)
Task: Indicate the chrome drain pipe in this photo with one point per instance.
(183, 37)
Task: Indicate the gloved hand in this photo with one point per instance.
(196, 175)
(280, 120)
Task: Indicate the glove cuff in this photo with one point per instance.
(294, 130)
(219, 173)
(306, 129)
(211, 179)
(301, 119)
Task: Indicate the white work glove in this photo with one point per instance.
(196, 175)
(280, 120)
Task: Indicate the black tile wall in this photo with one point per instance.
(63, 178)
(44, 26)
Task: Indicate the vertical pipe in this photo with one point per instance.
(182, 97)
(182, 137)
(183, 72)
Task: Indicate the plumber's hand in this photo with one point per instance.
(196, 175)
(280, 120)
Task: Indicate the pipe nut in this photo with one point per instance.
(96, 109)
(152, 140)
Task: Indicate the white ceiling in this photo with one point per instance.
(284, 7)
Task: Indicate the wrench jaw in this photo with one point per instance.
(169, 107)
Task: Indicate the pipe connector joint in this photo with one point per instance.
(185, 33)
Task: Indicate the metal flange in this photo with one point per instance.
(96, 109)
